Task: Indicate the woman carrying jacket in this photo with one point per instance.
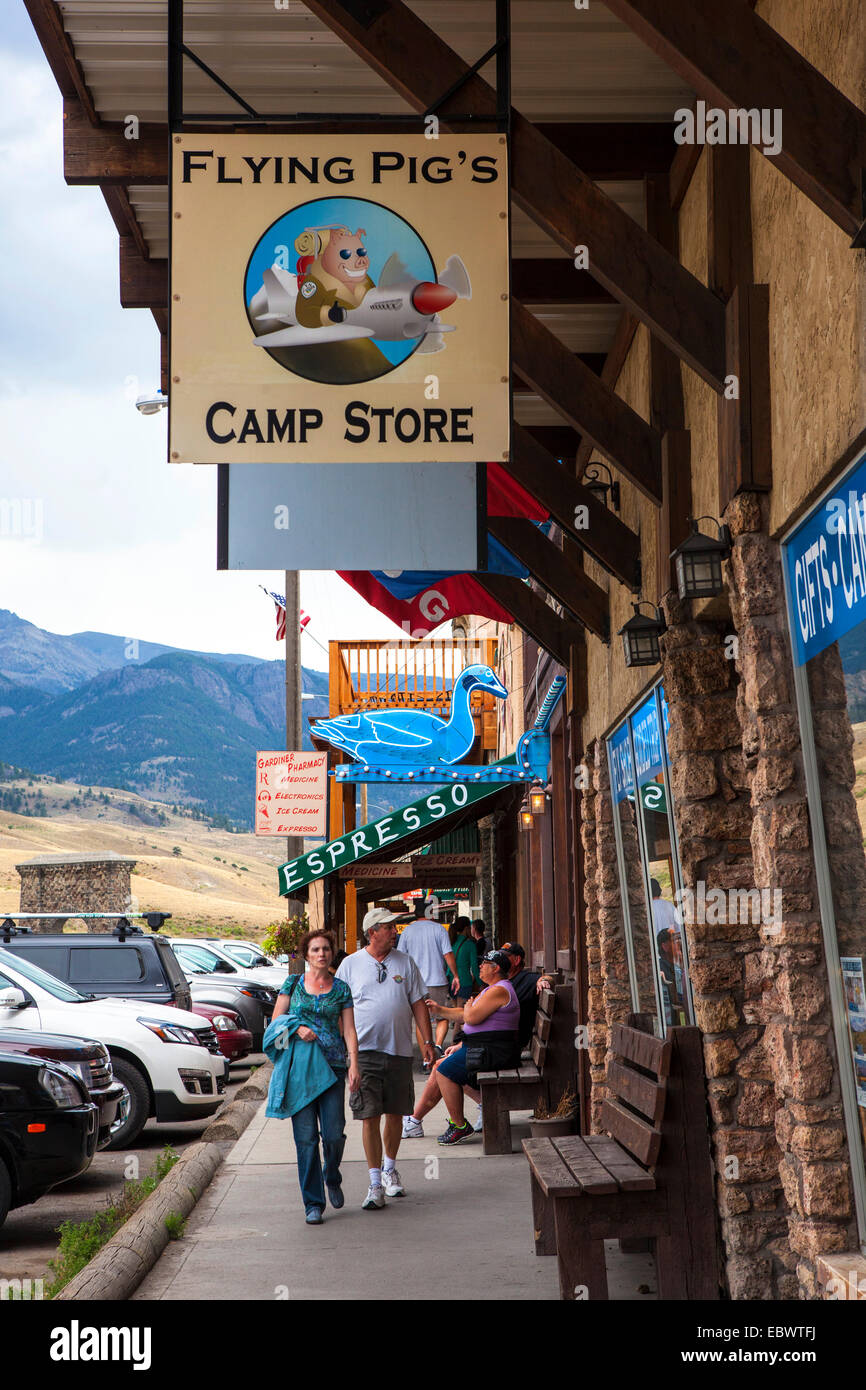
(312, 1041)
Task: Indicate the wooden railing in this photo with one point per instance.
(367, 675)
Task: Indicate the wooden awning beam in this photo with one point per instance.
(607, 539)
(556, 635)
(97, 152)
(585, 401)
(734, 59)
(554, 571)
(418, 64)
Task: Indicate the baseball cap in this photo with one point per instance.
(498, 958)
(514, 950)
(378, 917)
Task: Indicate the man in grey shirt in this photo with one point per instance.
(429, 945)
(387, 991)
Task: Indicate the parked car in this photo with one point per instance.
(126, 963)
(234, 1040)
(218, 960)
(253, 1001)
(48, 1128)
(247, 954)
(89, 1060)
(168, 1060)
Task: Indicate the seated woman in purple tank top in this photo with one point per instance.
(490, 1024)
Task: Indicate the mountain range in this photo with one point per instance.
(176, 725)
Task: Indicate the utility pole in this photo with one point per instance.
(294, 843)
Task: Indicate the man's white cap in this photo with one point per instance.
(377, 917)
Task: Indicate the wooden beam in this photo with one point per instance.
(143, 284)
(613, 365)
(617, 431)
(103, 154)
(556, 635)
(546, 562)
(125, 220)
(47, 19)
(554, 281)
(676, 505)
(558, 440)
(606, 150)
(593, 361)
(573, 211)
(607, 539)
(735, 60)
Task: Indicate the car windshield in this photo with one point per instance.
(41, 978)
(249, 955)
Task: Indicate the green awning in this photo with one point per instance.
(437, 812)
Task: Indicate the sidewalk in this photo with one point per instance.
(463, 1230)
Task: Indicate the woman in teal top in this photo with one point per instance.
(319, 1013)
(465, 957)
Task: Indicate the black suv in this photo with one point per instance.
(48, 1128)
(89, 1060)
(123, 964)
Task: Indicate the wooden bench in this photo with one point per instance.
(518, 1088)
(650, 1175)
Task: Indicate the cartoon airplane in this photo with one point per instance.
(398, 307)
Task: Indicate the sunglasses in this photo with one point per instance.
(383, 973)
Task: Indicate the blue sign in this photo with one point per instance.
(647, 735)
(825, 567)
(621, 774)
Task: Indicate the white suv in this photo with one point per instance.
(168, 1060)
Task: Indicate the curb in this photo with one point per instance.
(116, 1270)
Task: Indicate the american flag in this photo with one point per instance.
(280, 604)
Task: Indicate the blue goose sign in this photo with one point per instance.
(825, 567)
(407, 745)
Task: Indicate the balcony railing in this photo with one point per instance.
(366, 675)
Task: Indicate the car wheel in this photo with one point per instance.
(139, 1104)
(5, 1191)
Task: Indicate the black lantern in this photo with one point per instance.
(699, 561)
(525, 815)
(538, 799)
(640, 637)
(593, 480)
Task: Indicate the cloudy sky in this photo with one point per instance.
(118, 541)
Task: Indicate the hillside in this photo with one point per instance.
(207, 878)
(179, 727)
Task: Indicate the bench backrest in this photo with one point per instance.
(637, 1080)
(541, 1032)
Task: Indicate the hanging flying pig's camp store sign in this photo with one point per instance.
(338, 298)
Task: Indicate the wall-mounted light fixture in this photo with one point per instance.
(593, 480)
(525, 815)
(538, 799)
(699, 561)
(640, 637)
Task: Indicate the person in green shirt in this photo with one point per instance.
(465, 957)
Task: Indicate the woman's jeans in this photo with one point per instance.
(326, 1112)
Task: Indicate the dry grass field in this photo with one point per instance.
(207, 878)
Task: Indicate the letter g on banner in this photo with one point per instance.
(433, 605)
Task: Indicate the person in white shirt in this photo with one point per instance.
(387, 991)
(429, 945)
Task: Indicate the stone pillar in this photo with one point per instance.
(596, 1022)
(69, 884)
(786, 977)
(616, 987)
(711, 803)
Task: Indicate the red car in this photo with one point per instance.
(234, 1040)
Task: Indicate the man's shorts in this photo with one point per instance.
(440, 994)
(387, 1087)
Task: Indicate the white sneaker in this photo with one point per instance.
(479, 1124)
(392, 1184)
(412, 1128)
(375, 1198)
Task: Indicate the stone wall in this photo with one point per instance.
(786, 979)
(596, 1022)
(78, 883)
(613, 959)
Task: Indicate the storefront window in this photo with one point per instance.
(648, 864)
(825, 576)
